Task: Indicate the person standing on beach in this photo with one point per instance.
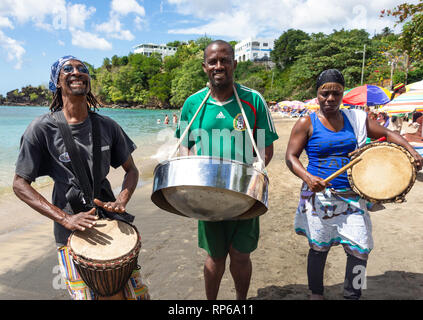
(398, 90)
(221, 115)
(43, 152)
(329, 218)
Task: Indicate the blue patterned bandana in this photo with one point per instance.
(55, 70)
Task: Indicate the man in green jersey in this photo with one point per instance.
(220, 130)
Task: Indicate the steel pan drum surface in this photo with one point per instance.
(208, 188)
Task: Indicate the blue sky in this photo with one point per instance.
(34, 33)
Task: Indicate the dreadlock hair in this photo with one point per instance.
(57, 103)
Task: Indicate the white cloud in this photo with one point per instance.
(125, 7)
(14, 50)
(119, 9)
(77, 14)
(238, 19)
(89, 41)
(35, 11)
(125, 35)
(202, 8)
(49, 15)
(239, 27)
(113, 28)
(139, 23)
(5, 23)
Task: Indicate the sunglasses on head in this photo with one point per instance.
(70, 68)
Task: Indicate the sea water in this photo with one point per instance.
(153, 139)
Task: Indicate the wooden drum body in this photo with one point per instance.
(106, 255)
(386, 172)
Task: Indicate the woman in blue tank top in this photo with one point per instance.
(328, 150)
(329, 213)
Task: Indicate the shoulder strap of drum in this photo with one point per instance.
(96, 134)
(77, 164)
(78, 167)
(97, 154)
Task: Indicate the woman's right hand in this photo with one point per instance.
(80, 221)
(316, 184)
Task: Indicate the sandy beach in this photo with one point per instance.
(172, 264)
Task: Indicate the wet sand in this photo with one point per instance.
(172, 264)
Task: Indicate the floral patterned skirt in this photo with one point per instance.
(334, 217)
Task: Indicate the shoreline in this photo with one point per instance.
(112, 106)
(172, 264)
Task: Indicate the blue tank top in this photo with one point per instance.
(327, 151)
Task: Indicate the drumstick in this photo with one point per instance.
(340, 171)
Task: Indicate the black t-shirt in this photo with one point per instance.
(43, 153)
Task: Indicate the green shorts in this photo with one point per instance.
(216, 237)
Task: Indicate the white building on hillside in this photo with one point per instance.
(148, 48)
(254, 49)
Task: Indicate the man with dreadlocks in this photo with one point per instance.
(43, 152)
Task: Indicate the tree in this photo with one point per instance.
(107, 64)
(338, 50)
(102, 85)
(33, 97)
(245, 69)
(188, 79)
(203, 42)
(403, 11)
(175, 43)
(91, 69)
(188, 51)
(411, 39)
(233, 43)
(254, 82)
(386, 32)
(285, 49)
(115, 61)
(170, 63)
(160, 87)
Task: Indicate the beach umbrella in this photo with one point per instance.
(297, 104)
(407, 102)
(366, 95)
(292, 104)
(313, 104)
(415, 86)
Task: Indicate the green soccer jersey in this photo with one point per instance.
(220, 130)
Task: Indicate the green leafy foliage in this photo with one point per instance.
(298, 58)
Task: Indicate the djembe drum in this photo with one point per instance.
(106, 255)
(385, 173)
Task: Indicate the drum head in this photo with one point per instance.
(108, 240)
(384, 173)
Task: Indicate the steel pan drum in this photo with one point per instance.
(209, 188)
